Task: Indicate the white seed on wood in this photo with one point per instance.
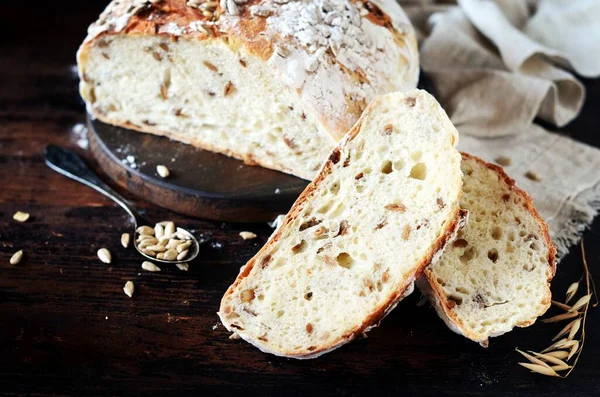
(125, 238)
(234, 336)
(20, 216)
(182, 255)
(159, 231)
(170, 255)
(247, 235)
(147, 230)
(151, 267)
(184, 247)
(16, 258)
(128, 289)
(183, 266)
(162, 171)
(104, 255)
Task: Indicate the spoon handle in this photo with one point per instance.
(68, 163)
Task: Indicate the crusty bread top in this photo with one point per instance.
(337, 54)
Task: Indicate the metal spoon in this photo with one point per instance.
(67, 162)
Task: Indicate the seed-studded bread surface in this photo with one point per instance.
(352, 245)
(496, 274)
(276, 83)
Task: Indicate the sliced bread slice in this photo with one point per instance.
(496, 274)
(384, 203)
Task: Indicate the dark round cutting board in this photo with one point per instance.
(201, 184)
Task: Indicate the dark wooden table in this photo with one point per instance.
(66, 327)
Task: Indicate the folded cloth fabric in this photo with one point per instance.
(497, 66)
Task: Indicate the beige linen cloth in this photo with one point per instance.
(497, 66)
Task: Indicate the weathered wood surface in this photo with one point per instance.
(66, 327)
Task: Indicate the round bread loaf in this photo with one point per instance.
(272, 82)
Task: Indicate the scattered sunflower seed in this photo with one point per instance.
(125, 238)
(16, 258)
(533, 176)
(104, 255)
(183, 266)
(151, 267)
(503, 161)
(162, 171)
(128, 289)
(247, 235)
(21, 216)
(234, 336)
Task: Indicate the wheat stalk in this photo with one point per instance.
(563, 350)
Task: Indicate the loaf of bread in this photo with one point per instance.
(381, 208)
(496, 274)
(272, 82)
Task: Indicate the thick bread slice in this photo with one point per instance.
(497, 274)
(384, 203)
(275, 83)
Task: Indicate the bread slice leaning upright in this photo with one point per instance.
(382, 206)
(496, 274)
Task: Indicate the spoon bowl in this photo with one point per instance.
(194, 249)
(68, 163)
